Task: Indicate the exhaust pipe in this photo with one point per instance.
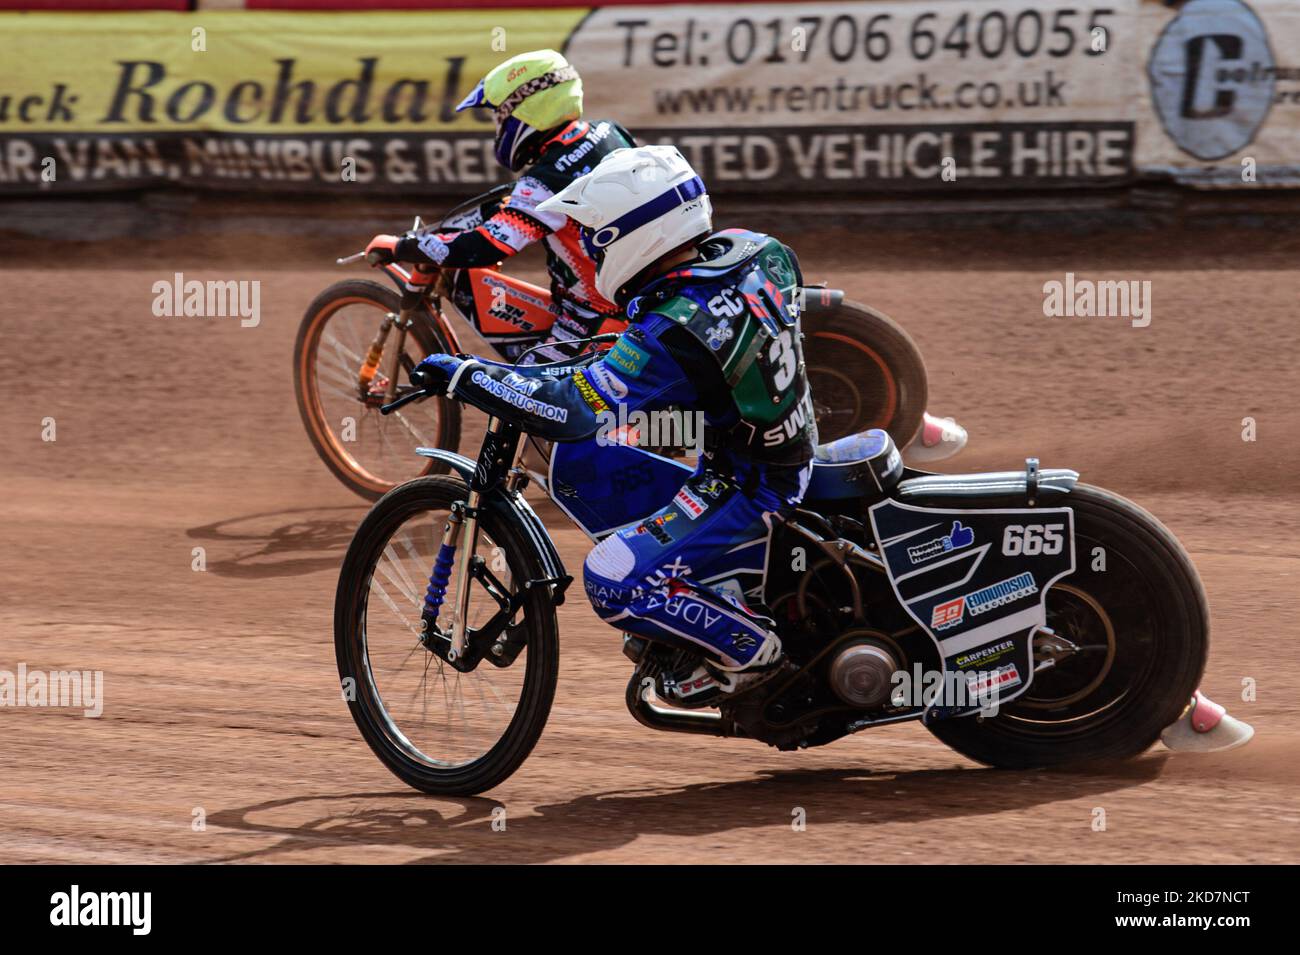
(648, 710)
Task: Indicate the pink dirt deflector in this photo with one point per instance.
(938, 439)
(1206, 727)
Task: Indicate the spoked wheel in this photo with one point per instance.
(865, 372)
(369, 452)
(1136, 613)
(438, 729)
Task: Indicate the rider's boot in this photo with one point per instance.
(710, 683)
(939, 438)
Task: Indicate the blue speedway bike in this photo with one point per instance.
(1026, 619)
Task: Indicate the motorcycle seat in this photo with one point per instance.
(858, 465)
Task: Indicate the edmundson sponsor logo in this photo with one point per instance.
(1004, 592)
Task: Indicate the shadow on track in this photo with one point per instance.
(460, 830)
(279, 543)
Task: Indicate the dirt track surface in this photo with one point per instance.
(221, 692)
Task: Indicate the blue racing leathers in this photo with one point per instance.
(718, 336)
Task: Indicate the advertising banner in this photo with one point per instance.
(854, 97)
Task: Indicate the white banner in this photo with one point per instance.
(884, 95)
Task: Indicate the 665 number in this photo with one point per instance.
(1030, 540)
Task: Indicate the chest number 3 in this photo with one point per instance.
(783, 360)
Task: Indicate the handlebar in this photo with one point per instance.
(406, 399)
(377, 257)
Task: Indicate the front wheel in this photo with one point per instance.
(1135, 609)
(864, 371)
(438, 729)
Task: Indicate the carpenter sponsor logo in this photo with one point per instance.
(984, 655)
(1004, 592)
(693, 506)
(948, 614)
(955, 539)
(67, 689)
(1085, 298)
(75, 907)
(589, 394)
(522, 402)
(212, 299)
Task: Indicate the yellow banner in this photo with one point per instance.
(258, 72)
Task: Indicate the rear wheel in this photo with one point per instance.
(436, 728)
(369, 452)
(864, 371)
(1135, 609)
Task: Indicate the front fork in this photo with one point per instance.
(460, 543)
(374, 356)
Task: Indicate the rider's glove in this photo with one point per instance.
(435, 373)
(384, 249)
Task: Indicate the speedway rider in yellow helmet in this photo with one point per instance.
(536, 102)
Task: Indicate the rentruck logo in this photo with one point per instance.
(144, 92)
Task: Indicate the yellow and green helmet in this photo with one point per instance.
(528, 95)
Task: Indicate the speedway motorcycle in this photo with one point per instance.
(359, 339)
(1026, 619)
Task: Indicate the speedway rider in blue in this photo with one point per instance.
(714, 330)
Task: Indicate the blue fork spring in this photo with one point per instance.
(435, 596)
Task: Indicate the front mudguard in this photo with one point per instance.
(512, 506)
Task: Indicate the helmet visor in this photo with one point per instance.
(476, 98)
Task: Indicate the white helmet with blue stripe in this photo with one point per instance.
(636, 206)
